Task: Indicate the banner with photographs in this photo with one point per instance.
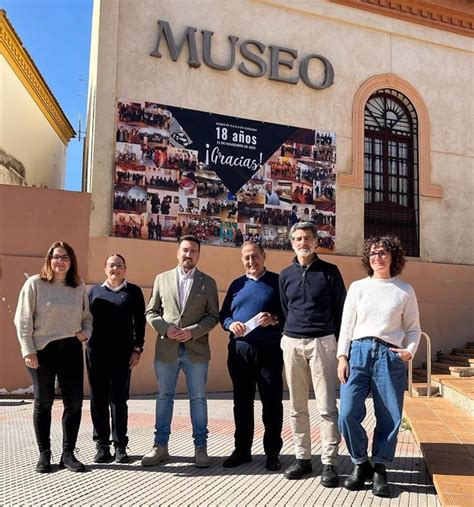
(224, 179)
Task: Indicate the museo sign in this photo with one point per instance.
(256, 60)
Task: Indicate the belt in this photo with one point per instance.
(377, 340)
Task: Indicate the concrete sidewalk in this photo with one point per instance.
(179, 482)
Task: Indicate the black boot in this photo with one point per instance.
(299, 468)
(44, 463)
(380, 486)
(69, 461)
(121, 455)
(359, 475)
(103, 454)
(236, 459)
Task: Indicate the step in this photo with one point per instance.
(463, 352)
(439, 366)
(442, 432)
(459, 391)
(458, 371)
(455, 359)
(421, 389)
(470, 345)
(421, 372)
(435, 377)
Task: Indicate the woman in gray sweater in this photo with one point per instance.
(52, 320)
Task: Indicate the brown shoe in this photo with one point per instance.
(156, 456)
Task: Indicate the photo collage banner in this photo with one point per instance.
(225, 179)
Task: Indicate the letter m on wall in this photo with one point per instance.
(164, 30)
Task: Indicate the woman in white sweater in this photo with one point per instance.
(52, 320)
(380, 332)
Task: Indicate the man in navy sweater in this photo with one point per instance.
(255, 357)
(312, 296)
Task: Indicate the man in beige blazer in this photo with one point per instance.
(183, 308)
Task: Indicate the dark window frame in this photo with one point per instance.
(391, 199)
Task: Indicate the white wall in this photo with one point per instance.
(26, 135)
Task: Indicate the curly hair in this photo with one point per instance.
(390, 243)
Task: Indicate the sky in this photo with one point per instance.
(56, 34)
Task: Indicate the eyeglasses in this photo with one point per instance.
(381, 254)
(64, 258)
(113, 265)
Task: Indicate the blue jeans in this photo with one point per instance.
(196, 377)
(373, 369)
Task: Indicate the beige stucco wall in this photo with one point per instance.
(444, 291)
(27, 136)
(31, 219)
(359, 45)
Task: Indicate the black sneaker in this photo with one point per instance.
(236, 459)
(299, 468)
(69, 461)
(121, 455)
(273, 463)
(329, 477)
(44, 462)
(103, 454)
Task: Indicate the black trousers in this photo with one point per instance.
(109, 379)
(64, 359)
(261, 366)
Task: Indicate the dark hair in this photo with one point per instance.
(390, 243)
(116, 255)
(190, 237)
(258, 246)
(72, 276)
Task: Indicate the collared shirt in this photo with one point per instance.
(185, 282)
(256, 277)
(273, 199)
(114, 289)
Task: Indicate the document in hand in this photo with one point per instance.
(251, 324)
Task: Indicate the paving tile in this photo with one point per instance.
(456, 500)
(179, 482)
(454, 481)
(457, 488)
(450, 462)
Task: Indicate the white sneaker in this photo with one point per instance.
(201, 459)
(156, 456)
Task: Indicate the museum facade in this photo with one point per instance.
(232, 120)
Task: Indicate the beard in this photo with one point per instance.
(304, 252)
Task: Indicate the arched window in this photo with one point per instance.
(391, 184)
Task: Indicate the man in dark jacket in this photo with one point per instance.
(312, 295)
